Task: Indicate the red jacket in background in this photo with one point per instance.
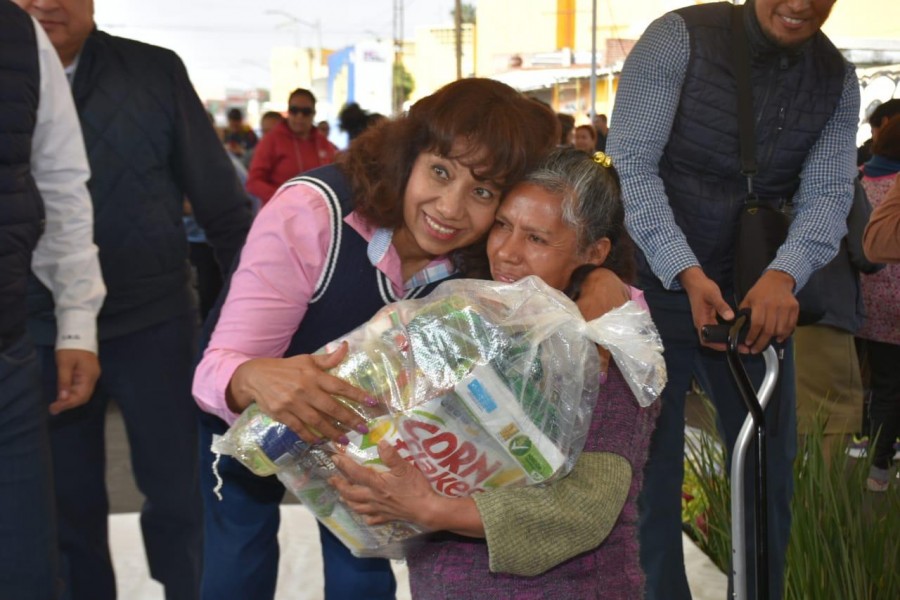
(281, 155)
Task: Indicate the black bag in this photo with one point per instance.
(762, 229)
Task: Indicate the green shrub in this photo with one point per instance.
(706, 509)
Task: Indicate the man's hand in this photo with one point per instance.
(77, 374)
(706, 301)
(601, 291)
(773, 310)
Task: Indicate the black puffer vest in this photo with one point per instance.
(21, 207)
(795, 93)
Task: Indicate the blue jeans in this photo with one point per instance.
(29, 564)
(241, 545)
(662, 556)
(148, 374)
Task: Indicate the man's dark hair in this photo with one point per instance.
(302, 92)
(235, 114)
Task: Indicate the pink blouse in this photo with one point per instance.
(281, 264)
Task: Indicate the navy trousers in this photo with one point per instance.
(240, 557)
(662, 556)
(148, 374)
(28, 553)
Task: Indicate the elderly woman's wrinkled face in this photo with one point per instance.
(530, 238)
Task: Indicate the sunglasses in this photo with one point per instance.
(303, 110)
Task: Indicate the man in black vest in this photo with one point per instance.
(46, 224)
(150, 144)
(675, 144)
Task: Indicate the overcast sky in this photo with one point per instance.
(227, 43)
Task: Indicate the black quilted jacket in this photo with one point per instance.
(150, 145)
(21, 209)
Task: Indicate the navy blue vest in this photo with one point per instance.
(351, 290)
(21, 207)
(795, 93)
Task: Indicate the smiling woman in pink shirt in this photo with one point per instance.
(388, 221)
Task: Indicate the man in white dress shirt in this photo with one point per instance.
(46, 224)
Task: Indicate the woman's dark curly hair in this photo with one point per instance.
(486, 125)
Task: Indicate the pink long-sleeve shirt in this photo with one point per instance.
(281, 265)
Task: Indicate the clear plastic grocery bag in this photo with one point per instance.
(481, 384)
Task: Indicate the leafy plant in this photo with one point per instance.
(706, 508)
(845, 541)
(467, 13)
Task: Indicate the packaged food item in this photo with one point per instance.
(481, 385)
(261, 443)
(500, 413)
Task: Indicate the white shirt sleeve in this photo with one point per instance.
(65, 259)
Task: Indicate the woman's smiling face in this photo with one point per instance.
(529, 237)
(445, 207)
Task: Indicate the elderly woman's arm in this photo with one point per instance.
(881, 240)
(554, 522)
(532, 529)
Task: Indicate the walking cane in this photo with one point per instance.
(754, 428)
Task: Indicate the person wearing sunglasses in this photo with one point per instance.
(292, 147)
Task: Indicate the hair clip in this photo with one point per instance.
(602, 159)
